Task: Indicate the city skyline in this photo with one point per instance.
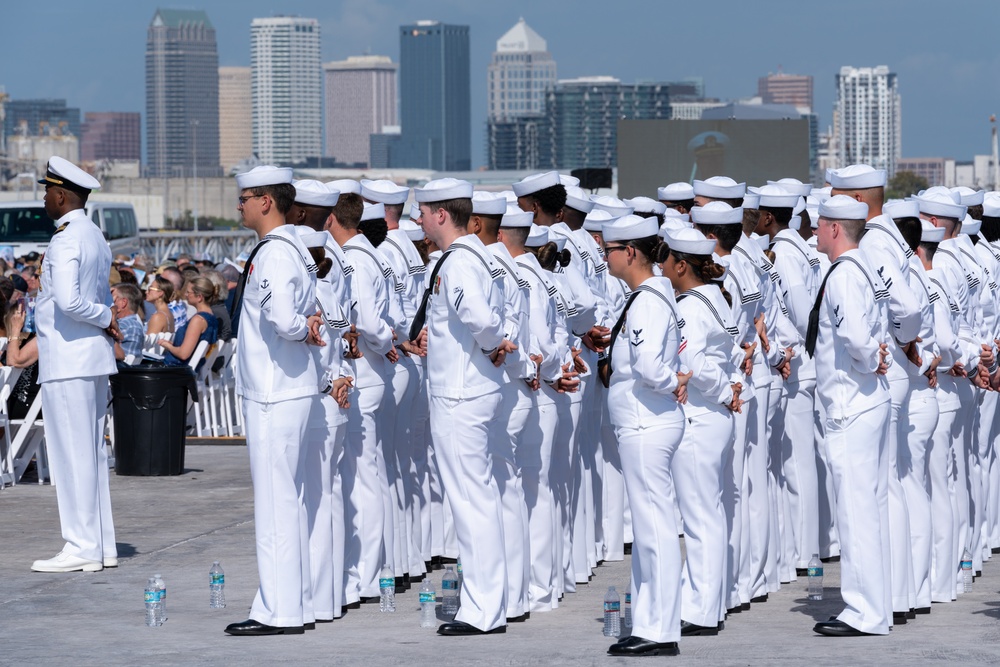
(942, 84)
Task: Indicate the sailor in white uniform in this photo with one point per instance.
(847, 337)
(677, 196)
(642, 371)
(466, 350)
(278, 376)
(989, 241)
(76, 327)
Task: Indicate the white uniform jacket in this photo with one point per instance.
(73, 306)
(274, 361)
(887, 253)
(465, 323)
(370, 310)
(709, 349)
(579, 295)
(962, 287)
(542, 319)
(518, 364)
(645, 360)
(851, 328)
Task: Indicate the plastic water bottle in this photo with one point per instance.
(815, 571)
(627, 616)
(449, 593)
(612, 613)
(152, 600)
(216, 587)
(163, 596)
(967, 571)
(428, 601)
(458, 568)
(387, 590)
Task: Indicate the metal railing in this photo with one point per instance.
(161, 245)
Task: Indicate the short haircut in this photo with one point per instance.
(460, 210)
(688, 204)
(315, 216)
(929, 249)
(230, 273)
(348, 210)
(132, 294)
(975, 211)
(189, 271)
(991, 228)
(910, 229)
(650, 214)
(283, 195)
(395, 209)
(490, 222)
(751, 216)
(551, 199)
(29, 271)
(782, 214)
(728, 235)
(854, 229)
(517, 235)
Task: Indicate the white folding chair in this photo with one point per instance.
(193, 405)
(8, 378)
(232, 401)
(216, 390)
(29, 442)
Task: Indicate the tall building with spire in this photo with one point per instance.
(182, 94)
(521, 72)
(287, 88)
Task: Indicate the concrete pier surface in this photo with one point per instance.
(177, 526)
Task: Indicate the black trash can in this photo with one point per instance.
(150, 411)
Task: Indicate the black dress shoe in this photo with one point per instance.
(801, 572)
(830, 559)
(995, 550)
(899, 618)
(370, 600)
(735, 610)
(639, 646)
(520, 619)
(692, 630)
(835, 628)
(628, 548)
(759, 598)
(252, 628)
(309, 626)
(745, 606)
(922, 610)
(460, 629)
(911, 615)
(353, 605)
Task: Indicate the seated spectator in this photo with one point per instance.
(160, 293)
(30, 275)
(21, 352)
(199, 292)
(231, 273)
(219, 304)
(177, 305)
(127, 302)
(20, 286)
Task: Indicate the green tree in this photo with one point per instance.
(904, 184)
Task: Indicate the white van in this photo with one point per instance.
(25, 226)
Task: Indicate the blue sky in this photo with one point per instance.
(92, 53)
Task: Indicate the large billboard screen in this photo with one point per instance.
(653, 153)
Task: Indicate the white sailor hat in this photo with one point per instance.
(800, 205)
(630, 227)
(716, 213)
(968, 196)
(536, 182)
(719, 187)
(941, 190)
(558, 239)
(596, 219)
(315, 193)
(763, 240)
(443, 189)
(793, 185)
(929, 233)
(821, 193)
(569, 181)
(970, 226)
(691, 242)
(509, 196)
(671, 225)
(488, 203)
(898, 209)
(414, 212)
(940, 204)
(413, 231)
(812, 208)
(515, 217)
(842, 207)
(345, 186)
(674, 213)
(60, 171)
(775, 196)
(751, 200)
(264, 175)
(311, 238)
(612, 205)
(675, 192)
(991, 205)
(373, 212)
(646, 205)
(795, 222)
(384, 192)
(537, 236)
(856, 177)
(578, 200)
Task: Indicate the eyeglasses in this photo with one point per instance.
(153, 289)
(612, 248)
(243, 200)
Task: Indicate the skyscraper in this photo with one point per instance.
(182, 94)
(521, 72)
(781, 88)
(360, 102)
(235, 118)
(287, 89)
(111, 135)
(867, 116)
(435, 99)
